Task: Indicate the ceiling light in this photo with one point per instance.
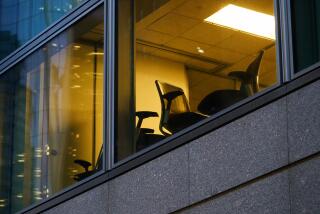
(76, 86)
(244, 20)
(96, 53)
(19, 196)
(36, 192)
(201, 51)
(77, 75)
(37, 170)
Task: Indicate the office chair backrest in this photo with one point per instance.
(253, 72)
(173, 101)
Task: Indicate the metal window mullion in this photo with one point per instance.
(110, 53)
(286, 40)
(290, 38)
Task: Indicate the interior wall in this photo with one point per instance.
(148, 70)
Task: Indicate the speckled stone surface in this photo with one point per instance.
(267, 196)
(242, 150)
(160, 186)
(94, 201)
(305, 187)
(238, 152)
(304, 121)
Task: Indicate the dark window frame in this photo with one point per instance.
(294, 74)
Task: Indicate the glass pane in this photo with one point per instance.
(20, 20)
(192, 59)
(306, 33)
(51, 116)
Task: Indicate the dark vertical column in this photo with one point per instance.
(125, 80)
(306, 32)
(94, 103)
(6, 143)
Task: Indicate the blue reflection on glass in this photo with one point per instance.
(20, 20)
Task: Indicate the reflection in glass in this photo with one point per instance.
(306, 33)
(192, 60)
(20, 20)
(51, 116)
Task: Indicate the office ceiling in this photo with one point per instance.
(179, 25)
(95, 35)
(175, 29)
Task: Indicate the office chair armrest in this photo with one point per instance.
(240, 75)
(146, 131)
(143, 115)
(172, 95)
(146, 114)
(83, 163)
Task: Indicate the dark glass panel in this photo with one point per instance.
(20, 20)
(306, 33)
(51, 116)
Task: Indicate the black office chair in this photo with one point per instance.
(175, 110)
(85, 164)
(145, 136)
(220, 99)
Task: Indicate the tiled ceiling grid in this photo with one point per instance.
(179, 25)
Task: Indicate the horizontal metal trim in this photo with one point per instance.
(312, 75)
(188, 136)
(302, 72)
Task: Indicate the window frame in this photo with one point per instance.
(286, 83)
(282, 58)
(32, 46)
(294, 74)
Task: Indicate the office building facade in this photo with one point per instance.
(159, 106)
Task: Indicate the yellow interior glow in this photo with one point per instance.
(245, 20)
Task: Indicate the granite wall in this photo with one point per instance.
(265, 162)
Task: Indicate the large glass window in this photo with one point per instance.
(182, 61)
(51, 116)
(306, 33)
(20, 20)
